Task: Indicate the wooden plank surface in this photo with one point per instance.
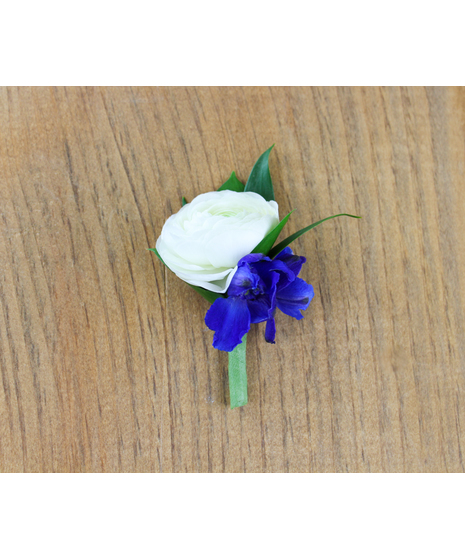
(106, 363)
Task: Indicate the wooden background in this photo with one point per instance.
(106, 363)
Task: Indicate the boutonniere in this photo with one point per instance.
(222, 244)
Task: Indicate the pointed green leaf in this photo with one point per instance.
(155, 251)
(233, 183)
(184, 201)
(265, 245)
(260, 179)
(275, 251)
(207, 295)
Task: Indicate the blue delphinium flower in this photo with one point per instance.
(259, 286)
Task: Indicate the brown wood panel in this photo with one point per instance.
(106, 363)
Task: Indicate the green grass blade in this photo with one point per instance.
(276, 249)
(265, 245)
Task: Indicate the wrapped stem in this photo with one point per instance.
(238, 375)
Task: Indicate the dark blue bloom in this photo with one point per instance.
(259, 286)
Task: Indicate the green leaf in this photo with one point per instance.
(275, 251)
(237, 372)
(260, 179)
(233, 183)
(265, 245)
(184, 201)
(155, 251)
(207, 295)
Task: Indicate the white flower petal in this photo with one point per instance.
(205, 239)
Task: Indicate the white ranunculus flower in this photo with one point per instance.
(205, 239)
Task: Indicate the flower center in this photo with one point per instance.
(251, 294)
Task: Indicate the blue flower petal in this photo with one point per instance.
(295, 297)
(260, 309)
(266, 268)
(293, 262)
(252, 258)
(285, 252)
(270, 331)
(244, 279)
(230, 319)
(263, 306)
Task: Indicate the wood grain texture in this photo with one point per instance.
(106, 363)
